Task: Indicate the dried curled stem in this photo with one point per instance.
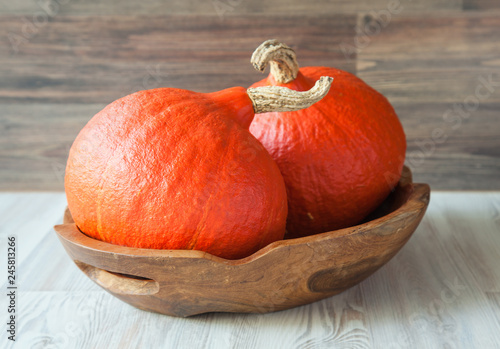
(280, 57)
(277, 99)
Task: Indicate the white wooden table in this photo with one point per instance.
(442, 290)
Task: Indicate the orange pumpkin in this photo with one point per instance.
(175, 169)
(341, 157)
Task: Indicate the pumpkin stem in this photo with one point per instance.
(280, 57)
(267, 99)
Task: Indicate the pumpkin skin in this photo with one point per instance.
(340, 158)
(175, 169)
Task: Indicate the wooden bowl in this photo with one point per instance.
(282, 275)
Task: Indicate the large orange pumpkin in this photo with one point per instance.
(175, 169)
(341, 157)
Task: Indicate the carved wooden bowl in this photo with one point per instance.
(283, 275)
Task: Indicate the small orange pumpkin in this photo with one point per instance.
(175, 169)
(341, 157)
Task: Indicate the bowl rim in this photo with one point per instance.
(416, 201)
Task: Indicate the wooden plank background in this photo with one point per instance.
(61, 62)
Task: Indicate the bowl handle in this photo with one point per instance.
(119, 283)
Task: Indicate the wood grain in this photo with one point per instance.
(432, 58)
(397, 307)
(441, 291)
(459, 158)
(494, 298)
(429, 57)
(35, 141)
(428, 66)
(225, 7)
(481, 5)
(47, 101)
(102, 58)
(175, 282)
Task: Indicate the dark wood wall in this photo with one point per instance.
(61, 62)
